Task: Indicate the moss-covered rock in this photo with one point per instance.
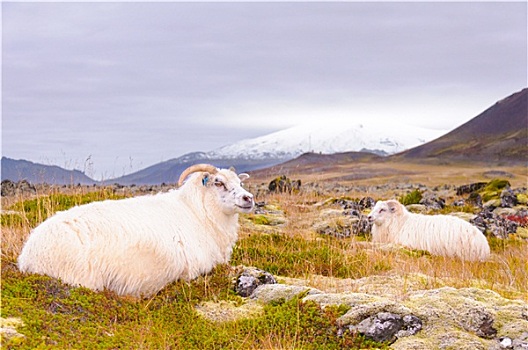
(522, 232)
(228, 311)
(497, 184)
(522, 198)
(451, 318)
(269, 293)
(9, 335)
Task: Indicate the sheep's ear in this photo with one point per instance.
(392, 206)
(243, 176)
(232, 168)
(205, 179)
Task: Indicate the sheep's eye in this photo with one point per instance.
(381, 210)
(219, 184)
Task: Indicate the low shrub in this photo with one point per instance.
(411, 198)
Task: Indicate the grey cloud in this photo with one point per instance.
(117, 75)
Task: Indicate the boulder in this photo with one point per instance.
(267, 293)
(473, 187)
(432, 201)
(283, 184)
(386, 326)
(250, 278)
(498, 226)
(508, 199)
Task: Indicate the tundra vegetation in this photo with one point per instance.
(41, 312)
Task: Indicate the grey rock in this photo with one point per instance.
(342, 224)
(10, 188)
(498, 226)
(411, 326)
(432, 201)
(521, 343)
(459, 203)
(382, 327)
(508, 198)
(503, 343)
(478, 321)
(250, 279)
(474, 199)
(386, 326)
(467, 189)
(283, 184)
(367, 202)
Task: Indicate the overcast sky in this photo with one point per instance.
(112, 88)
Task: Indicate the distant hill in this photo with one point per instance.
(17, 170)
(165, 172)
(169, 171)
(313, 163)
(498, 135)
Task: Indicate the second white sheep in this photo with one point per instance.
(443, 235)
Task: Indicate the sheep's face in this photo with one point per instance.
(227, 186)
(383, 211)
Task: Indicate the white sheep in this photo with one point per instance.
(138, 245)
(443, 235)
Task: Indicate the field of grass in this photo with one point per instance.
(59, 316)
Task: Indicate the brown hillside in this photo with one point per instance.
(315, 163)
(499, 135)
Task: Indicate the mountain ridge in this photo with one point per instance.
(498, 135)
(328, 138)
(16, 170)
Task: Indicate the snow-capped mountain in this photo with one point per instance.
(328, 138)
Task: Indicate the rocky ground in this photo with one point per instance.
(440, 318)
(398, 309)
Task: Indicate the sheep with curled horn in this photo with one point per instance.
(443, 235)
(136, 246)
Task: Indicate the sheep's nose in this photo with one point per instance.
(247, 198)
(370, 218)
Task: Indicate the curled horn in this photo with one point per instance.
(196, 168)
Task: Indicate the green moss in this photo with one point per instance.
(57, 316)
(414, 253)
(497, 184)
(490, 195)
(493, 189)
(522, 198)
(260, 219)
